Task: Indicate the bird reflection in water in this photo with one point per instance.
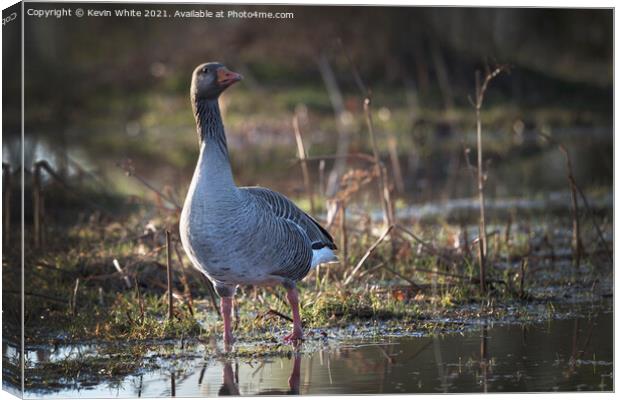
(230, 384)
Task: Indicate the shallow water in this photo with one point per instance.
(557, 355)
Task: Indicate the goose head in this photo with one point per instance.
(209, 80)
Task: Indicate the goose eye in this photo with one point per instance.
(205, 70)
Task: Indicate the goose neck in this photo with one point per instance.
(209, 125)
(213, 163)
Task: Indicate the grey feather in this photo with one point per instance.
(282, 207)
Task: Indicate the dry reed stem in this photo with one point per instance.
(465, 246)
(367, 254)
(481, 89)
(169, 276)
(398, 174)
(44, 165)
(386, 202)
(429, 247)
(74, 297)
(184, 281)
(128, 168)
(522, 278)
(140, 300)
(596, 226)
(120, 270)
(575, 189)
(344, 240)
(507, 233)
(301, 153)
(409, 281)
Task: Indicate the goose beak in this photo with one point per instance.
(226, 78)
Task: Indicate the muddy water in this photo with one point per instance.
(557, 355)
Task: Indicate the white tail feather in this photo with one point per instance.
(322, 256)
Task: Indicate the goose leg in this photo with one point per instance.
(293, 298)
(226, 309)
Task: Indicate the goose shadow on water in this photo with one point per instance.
(230, 381)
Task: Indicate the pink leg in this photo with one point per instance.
(293, 299)
(226, 309)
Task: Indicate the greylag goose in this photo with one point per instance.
(242, 235)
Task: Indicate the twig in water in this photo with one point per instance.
(367, 254)
(596, 226)
(576, 243)
(481, 88)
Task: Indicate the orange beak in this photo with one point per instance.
(226, 78)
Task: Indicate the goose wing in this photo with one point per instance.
(282, 207)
